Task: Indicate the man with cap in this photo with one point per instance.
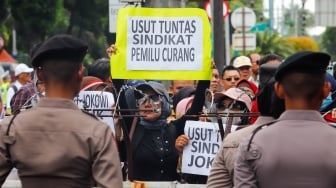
(243, 64)
(295, 151)
(27, 96)
(23, 76)
(54, 144)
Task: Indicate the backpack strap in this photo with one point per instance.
(14, 87)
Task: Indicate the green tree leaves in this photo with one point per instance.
(274, 43)
(37, 20)
(329, 42)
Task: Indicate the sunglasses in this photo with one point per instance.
(232, 78)
(235, 106)
(153, 99)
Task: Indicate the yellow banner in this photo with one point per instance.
(162, 44)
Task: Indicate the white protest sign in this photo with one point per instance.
(98, 103)
(156, 42)
(204, 144)
(162, 43)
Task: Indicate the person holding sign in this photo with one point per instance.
(156, 160)
(54, 144)
(154, 156)
(153, 152)
(233, 100)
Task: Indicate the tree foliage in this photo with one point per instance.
(33, 20)
(293, 23)
(3, 10)
(88, 20)
(39, 19)
(303, 43)
(274, 43)
(328, 43)
(5, 19)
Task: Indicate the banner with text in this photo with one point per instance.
(163, 44)
(204, 143)
(98, 103)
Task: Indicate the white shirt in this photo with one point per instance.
(11, 92)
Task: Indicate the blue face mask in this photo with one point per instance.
(326, 102)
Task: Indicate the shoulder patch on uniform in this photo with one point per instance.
(89, 114)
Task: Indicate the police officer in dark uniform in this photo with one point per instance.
(55, 144)
(297, 150)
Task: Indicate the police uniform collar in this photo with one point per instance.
(302, 115)
(57, 103)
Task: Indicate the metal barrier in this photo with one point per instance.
(17, 184)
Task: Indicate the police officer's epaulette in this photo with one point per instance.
(254, 132)
(90, 114)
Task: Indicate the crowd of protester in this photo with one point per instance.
(262, 90)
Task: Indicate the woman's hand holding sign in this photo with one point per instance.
(181, 142)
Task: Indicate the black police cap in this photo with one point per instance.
(60, 47)
(304, 62)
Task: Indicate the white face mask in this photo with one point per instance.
(235, 120)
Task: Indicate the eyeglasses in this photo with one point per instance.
(235, 106)
(153, 99)
(232, 78)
